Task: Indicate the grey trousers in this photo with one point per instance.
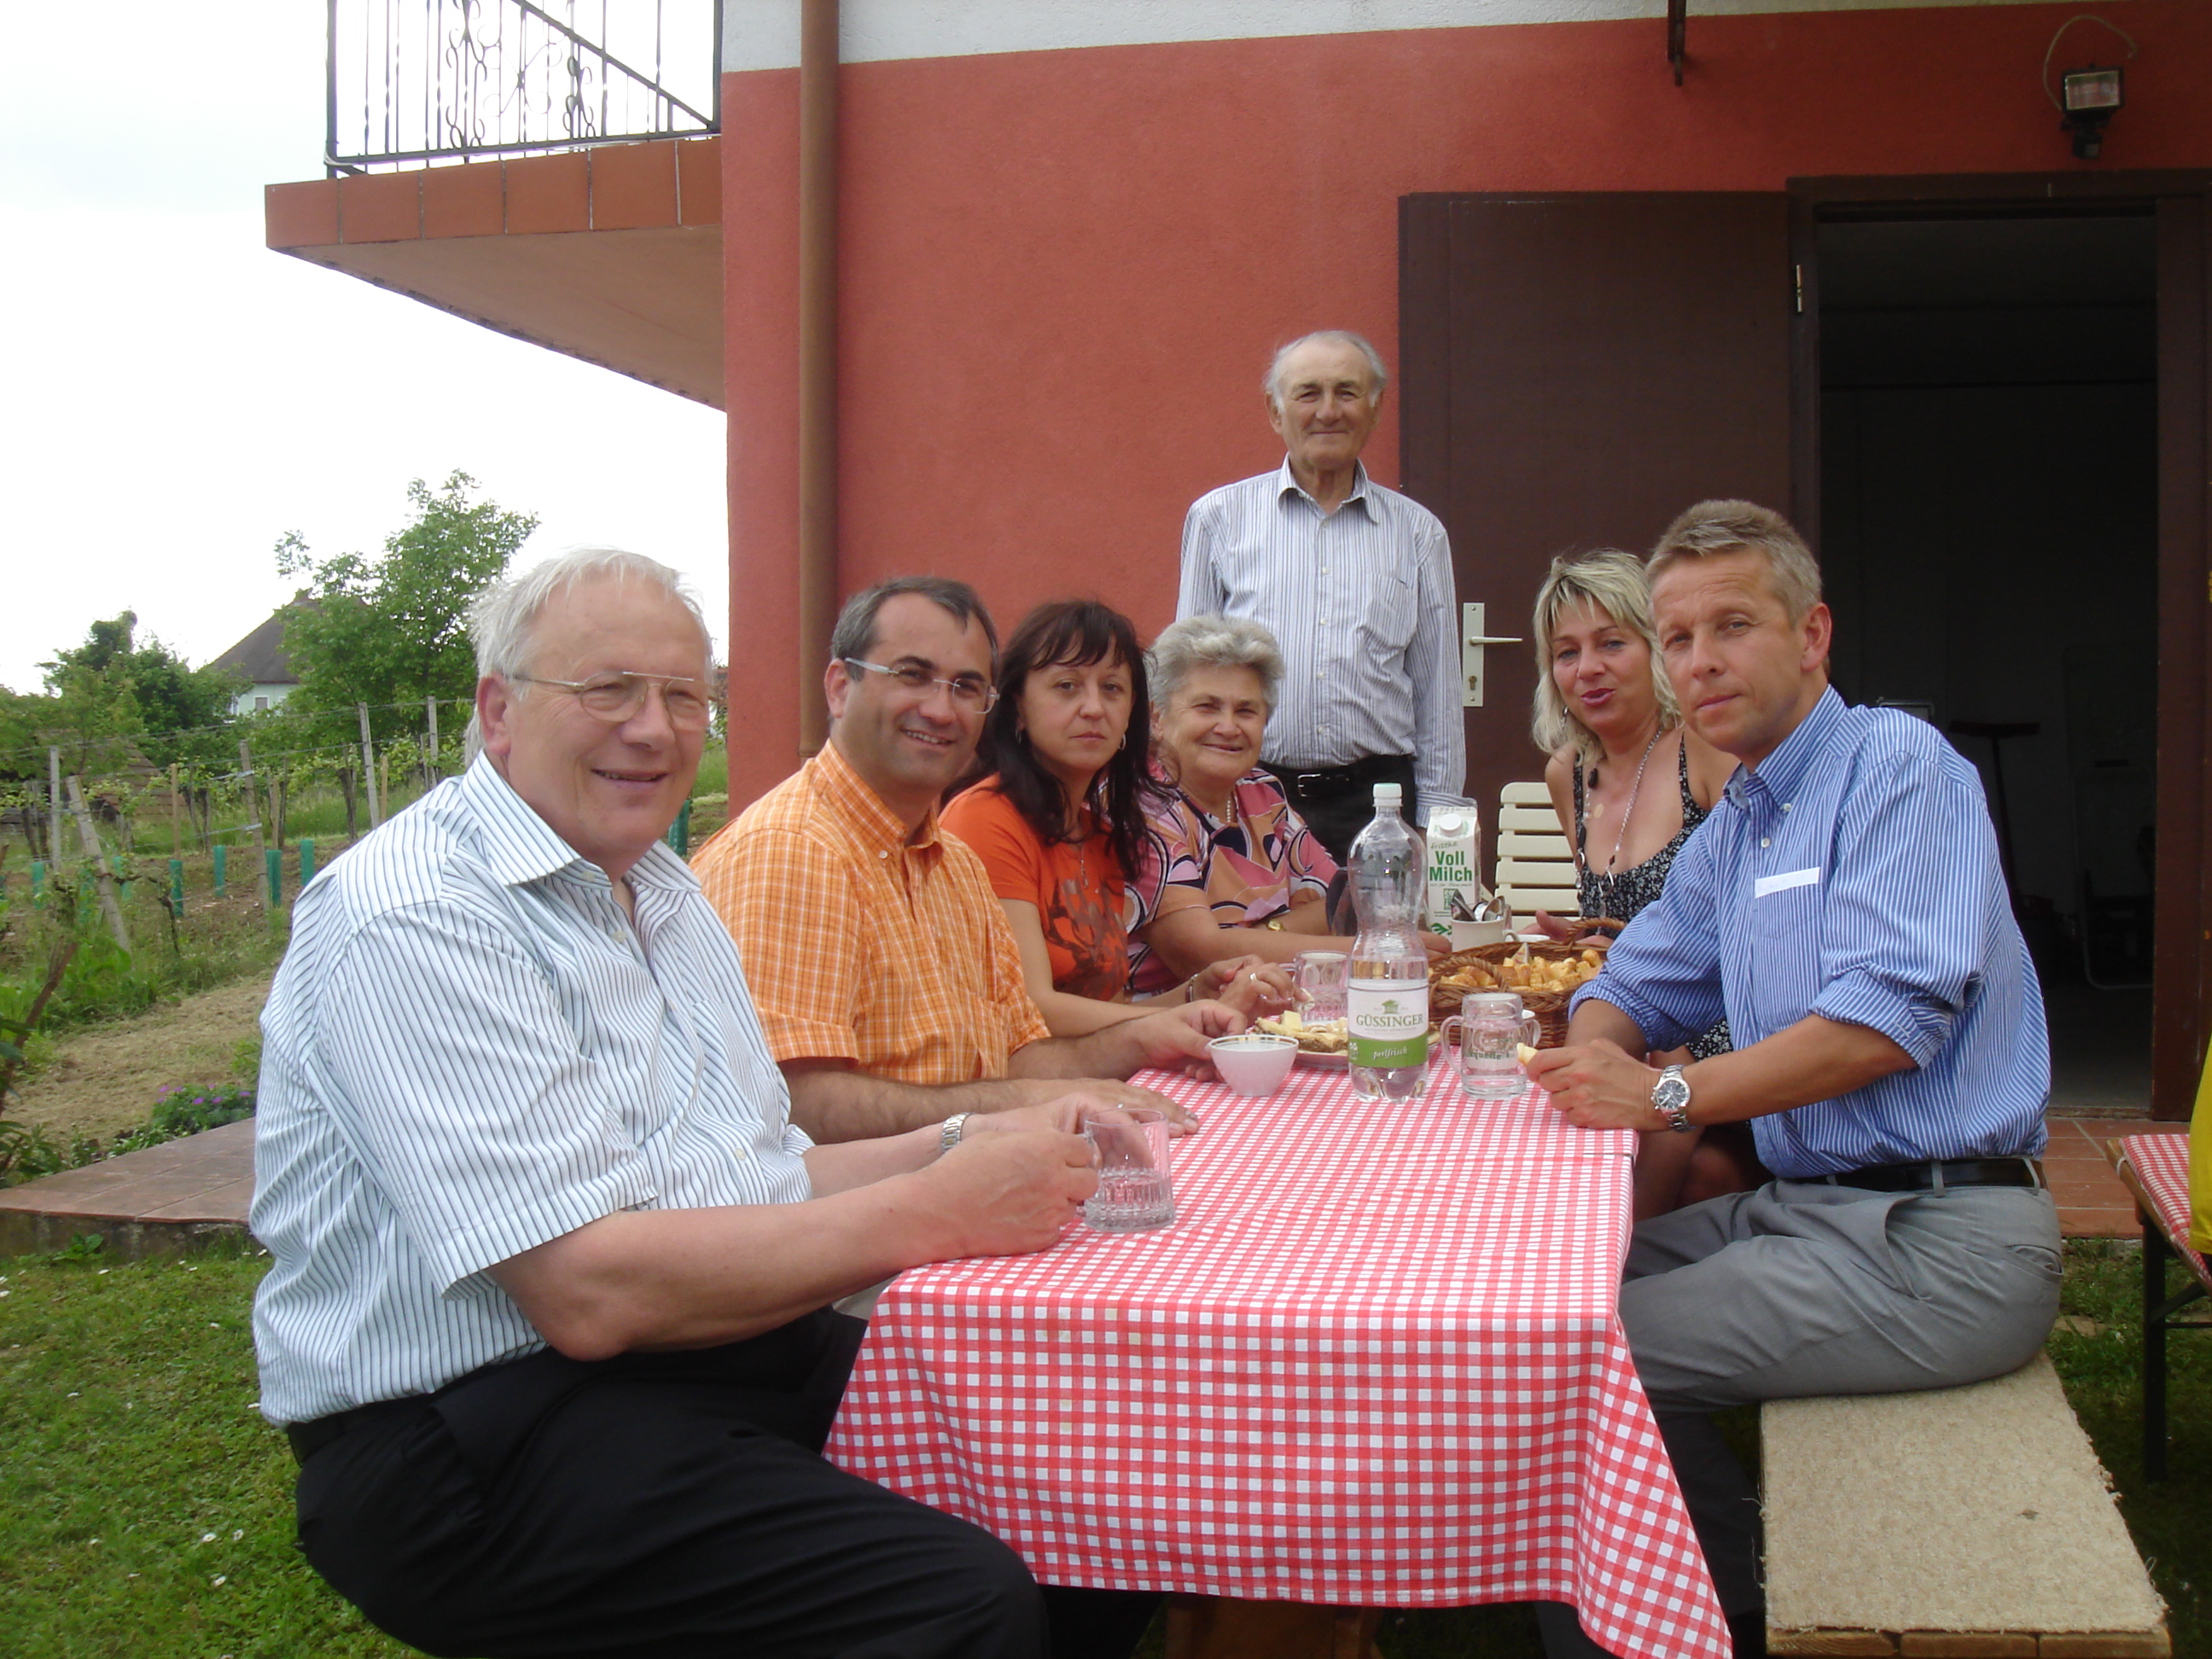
(1802, 1288)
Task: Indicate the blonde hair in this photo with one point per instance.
(1732, 526)
(1611, 582)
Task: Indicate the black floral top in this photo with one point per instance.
(1621, 893)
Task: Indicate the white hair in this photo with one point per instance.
(1377, 375)
(1196, 643)
(503, 618)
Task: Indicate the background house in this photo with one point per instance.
(259, 659)
(1845, 262)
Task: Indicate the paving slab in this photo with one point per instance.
(165, 1200)
(177, 1195)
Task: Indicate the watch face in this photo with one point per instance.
(1671, 1094)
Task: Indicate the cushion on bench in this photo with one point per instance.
(1961, 1521)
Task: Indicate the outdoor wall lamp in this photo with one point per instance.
(2087, 99)
(2093, 96)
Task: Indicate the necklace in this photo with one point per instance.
(1629, 811)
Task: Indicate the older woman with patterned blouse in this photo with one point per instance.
(1229, 867)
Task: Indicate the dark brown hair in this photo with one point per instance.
(1078, 632)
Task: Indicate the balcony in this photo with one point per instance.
(531, 169)
(467, 79)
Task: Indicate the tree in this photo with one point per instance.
(393, 629)
(114, 688)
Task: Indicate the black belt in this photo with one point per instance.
(1927, 1177)
(311, 1437)
(1331, 780)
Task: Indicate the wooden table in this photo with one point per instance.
(1377, 1362)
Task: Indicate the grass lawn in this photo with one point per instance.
(145, 1508)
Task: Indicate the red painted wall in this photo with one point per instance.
(1063, 272)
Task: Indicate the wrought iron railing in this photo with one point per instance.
(424, 81)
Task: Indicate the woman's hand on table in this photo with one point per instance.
(1578, 930)
(1251, 985)
(1596, 1085)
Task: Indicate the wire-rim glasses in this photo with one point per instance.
(617, 697)
(971, 692)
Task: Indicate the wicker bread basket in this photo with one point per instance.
(1550, 1007)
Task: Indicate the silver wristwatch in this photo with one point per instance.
(1670, 1098)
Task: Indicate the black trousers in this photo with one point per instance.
(665, 1505)
(1337, 812)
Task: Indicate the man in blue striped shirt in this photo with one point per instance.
(1846, 911)
(547, 1317)
(1355, 583)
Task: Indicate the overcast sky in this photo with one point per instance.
(178, 397)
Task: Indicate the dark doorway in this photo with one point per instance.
(1989, 531)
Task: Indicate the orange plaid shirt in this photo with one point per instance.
(859, 945)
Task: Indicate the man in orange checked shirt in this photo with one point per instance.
(888, 982)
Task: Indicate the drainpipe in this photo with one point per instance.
(817, 360)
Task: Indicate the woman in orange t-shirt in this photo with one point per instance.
(1059, 826)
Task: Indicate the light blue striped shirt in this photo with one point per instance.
(1853, 875)
(470, 1050)
(1361, 602)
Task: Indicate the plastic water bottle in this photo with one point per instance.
(1387, 991)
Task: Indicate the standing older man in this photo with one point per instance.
(1845, 909)
(546, 1322)
(889, 981)
(1355, 582)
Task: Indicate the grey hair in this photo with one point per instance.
(1197, 642)
(1378, 375)
(503, 618)
(1613, 583)
(1733, 527)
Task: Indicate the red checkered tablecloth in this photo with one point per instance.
(2161, 1163)
(1376, 1361)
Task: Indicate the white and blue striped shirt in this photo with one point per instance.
(1853, 875)
(1363, 606)
(471, 1050)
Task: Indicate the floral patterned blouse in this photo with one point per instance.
(1246, 868)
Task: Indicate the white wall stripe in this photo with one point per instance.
(760, 34)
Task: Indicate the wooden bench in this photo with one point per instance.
(2155, 1170)
(1959, 1523)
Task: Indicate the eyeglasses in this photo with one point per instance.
(617, 697)
(968, 692)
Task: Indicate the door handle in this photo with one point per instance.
(1472, 639)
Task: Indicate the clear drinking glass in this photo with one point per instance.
(1491, 1026)
(1130, 1150)
(1320, 974)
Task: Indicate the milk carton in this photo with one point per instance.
(1455, 867)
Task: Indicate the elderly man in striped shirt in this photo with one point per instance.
(1846, 909)
(1355, 583)
(547, 1321)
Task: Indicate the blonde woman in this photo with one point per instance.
(1629, 782)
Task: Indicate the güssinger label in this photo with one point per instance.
(1388, 1022)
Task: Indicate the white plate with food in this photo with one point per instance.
(1322, 1043)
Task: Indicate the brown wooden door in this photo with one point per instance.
(1576, 370)
(2181, 987)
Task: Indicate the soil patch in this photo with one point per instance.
(105, 1080)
